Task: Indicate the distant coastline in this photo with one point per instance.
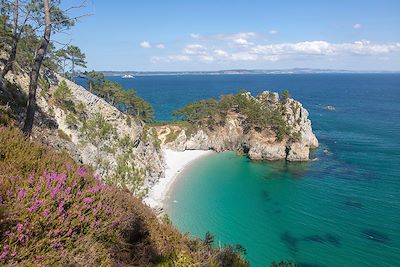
(245, 71)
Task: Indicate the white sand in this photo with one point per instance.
(175, 161)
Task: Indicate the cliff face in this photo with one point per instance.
(94, 132)
(235, 134)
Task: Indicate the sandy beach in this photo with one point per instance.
(175, 161)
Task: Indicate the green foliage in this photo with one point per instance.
(44, 86)
(285, 96)
(212, 113)
(127, 175)
(63, 97)
(71, 120)
(172, 135)
(198, 111)
(97, 131)
(126, 101)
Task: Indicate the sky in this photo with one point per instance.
(188, 35)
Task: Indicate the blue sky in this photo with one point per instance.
(253, 34)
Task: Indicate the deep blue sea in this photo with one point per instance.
(343, 209)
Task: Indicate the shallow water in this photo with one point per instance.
(340, 210)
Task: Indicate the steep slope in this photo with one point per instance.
(94, 132)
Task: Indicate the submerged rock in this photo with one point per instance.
(330, 108)
(376, 236)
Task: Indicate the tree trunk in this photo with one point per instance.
(73, 69)
(34, 75)
(3, 14)
(14, 45)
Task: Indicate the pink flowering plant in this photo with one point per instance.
(52, 212)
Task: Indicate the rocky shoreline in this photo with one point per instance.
(258, 144)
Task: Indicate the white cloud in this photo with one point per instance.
(357, 26)
(242, 42)
(195, 49)
(172, 58)
(221, 53)
(273, 32)
(195, 35)
(275, 52)
(161, 46)
(145, 44)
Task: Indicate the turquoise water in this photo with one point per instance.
(341, 210)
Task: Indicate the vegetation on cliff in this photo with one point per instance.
(259, 114)
(55, 212)
(126, 100)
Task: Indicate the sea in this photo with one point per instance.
(340, 209)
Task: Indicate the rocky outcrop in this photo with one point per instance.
(237, 135)
(129, 148)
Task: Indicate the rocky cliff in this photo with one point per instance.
(237, 135)
(119, 147)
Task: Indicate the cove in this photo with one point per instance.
(279, 210)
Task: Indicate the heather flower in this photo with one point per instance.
(34, 207)
(46, 213)
(81, 171)
(30, 179)
(21, 193)
(87, 200)
(20, 227)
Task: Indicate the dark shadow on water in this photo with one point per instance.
(323, 239)
(376, 236)
(290, 242)
(303, 264)
(333, 239)
(278, 212)
(265, 195)
(282, 168)
(352, 203)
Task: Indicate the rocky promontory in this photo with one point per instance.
(284, 132)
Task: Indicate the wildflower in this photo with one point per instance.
(81, 171)
(46, 213)
(30, 179)
(87, 200)
(34, 206)
(20, 227)
(21, 193)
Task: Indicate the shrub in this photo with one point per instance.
(71, 120)
(63, 97)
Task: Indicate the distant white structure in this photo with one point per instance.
(127, 76)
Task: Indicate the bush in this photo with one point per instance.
(63, 97)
